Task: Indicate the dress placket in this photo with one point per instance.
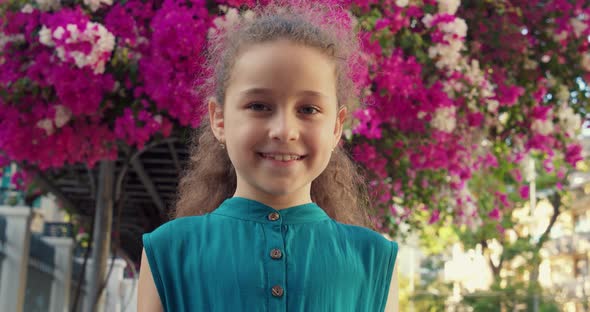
(275, 260)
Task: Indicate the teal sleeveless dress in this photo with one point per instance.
(247, 256)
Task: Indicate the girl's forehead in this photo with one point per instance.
(283, 66)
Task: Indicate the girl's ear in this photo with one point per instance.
(216, 120)
(340, 118)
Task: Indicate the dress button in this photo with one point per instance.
(273, 216)
(276, 254)
(277, 291)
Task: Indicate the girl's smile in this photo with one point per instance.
(280, 121)
(281, 159)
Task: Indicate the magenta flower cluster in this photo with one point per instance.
(75, 81)
(443, 111)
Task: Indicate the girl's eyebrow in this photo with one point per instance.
(266, 91)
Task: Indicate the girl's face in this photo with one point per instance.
(280, 121)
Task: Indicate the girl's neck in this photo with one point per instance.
(277, 202)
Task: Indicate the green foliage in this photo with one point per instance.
(516, 296)
(444, 235)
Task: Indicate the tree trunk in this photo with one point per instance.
(101, 238)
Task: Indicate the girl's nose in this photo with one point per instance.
(284, 128)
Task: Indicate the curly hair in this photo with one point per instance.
(210, 177)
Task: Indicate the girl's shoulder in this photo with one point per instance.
(372, 250)
(177, 228)
(367, 238)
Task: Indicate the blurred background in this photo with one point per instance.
(471, 129)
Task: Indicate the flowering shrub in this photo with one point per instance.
(453, 92)
(77, 79)
(462, 94)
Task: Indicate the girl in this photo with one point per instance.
(268, 192)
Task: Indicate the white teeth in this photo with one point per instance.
(280, 157)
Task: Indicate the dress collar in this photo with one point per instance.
(252, 210)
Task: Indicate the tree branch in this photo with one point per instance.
(555, 200)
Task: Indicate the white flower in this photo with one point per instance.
(46, 5)
(578, 26)
(79, 58)
(448, 55)
(560, 36)
(457, 27)
(401, 3)
(452, 87)
(503, 118)
(95, 4)
(563, 94)
(74, 32)
(101, 47)
(45, 36)
(27, 9)
(493, 105)
(61, 53)
(427, 20)
(404, 227)
(448, 6)
(569, 121)
(469, 217)
(47, 125)
(62, 115)
(444, 119)
(543, 127)
(106, 41)
(58, 33)
(473, 73)
(486, 90)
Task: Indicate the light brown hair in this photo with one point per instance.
(210, 177)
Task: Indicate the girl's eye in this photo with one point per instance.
(309, 110)
(258, 107)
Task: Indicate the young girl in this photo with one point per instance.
(263, 220)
